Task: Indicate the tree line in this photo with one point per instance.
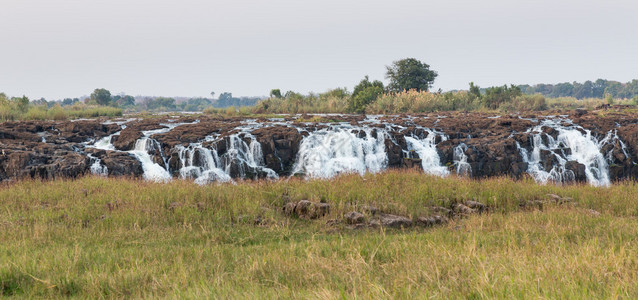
(600, 88)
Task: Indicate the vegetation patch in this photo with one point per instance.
(109, 237)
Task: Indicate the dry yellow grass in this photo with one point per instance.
(121, 238)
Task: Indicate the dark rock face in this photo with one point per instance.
(492, 145)
(279, 145)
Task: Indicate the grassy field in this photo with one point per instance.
(120, 238)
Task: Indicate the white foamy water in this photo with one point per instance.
(329, 152)
(463, 168)
(96, 167)
(583, 148)
(426, 149)
(152, 170)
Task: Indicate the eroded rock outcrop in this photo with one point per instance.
(470, 144)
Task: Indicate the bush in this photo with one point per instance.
(496, 96)
(416, 102)
(525, 103)
(57, 113)
(359, 102)
(36, 113)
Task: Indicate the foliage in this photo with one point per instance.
(365, 93)
(524, 103)
(19, 108)
(410, 74)
(496, 96)
(275, 93)
(332, 101)
(415, 102)
(587, 89)
(227, 100)
(124, 101)
(101, 96)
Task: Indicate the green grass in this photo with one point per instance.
(120, 238)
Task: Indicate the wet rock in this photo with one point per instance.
(577, 169)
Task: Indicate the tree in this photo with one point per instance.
(275, 93)
(125, 100)
(365, 93)
(410, 74)
(212, 94)
(101, 96)
(475, 90)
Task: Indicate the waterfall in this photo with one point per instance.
(572, 143)
(241, 159)
(242, 155)
(341, 149)
(463, 168)
(152, 170)
(201, 164)
(426, 149)
(96, 167)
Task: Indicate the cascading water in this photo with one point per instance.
(152, 170)
(246, 157)
(201, 164)
(463, 168)
(572, 143)
(341, 149)
(426, 149)
(240, 159)
(96, 167)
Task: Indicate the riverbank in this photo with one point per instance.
(108, 237)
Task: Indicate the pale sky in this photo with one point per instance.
(67, 48)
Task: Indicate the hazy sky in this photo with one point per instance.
(67, 48)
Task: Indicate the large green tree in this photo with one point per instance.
(410, 74)
(101, 96)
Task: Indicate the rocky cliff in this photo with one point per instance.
(597, 147)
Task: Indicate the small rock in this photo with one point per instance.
(302, 208)
(388, 220)
(319, 210)
(306, 209)
(592, 212)
(579, 112)
(289, 208)
(354, 217)
(554, 197)
(463, 209)
(370, 209)
(559, 199)
(432, 220)
(477, 206)
(442, 211)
